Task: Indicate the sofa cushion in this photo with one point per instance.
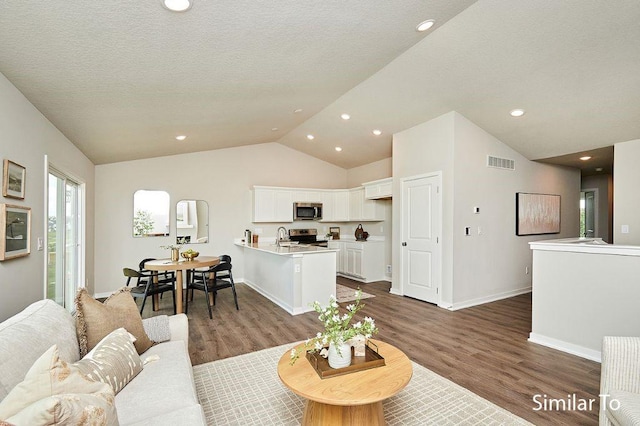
(50, 376)
(113, 361)
(28, 334)
(629, 411)
(68, 409)
(193, 415)
(95, 320)
(163, 386)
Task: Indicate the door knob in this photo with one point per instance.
(404, 244)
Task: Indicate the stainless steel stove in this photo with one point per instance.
(306, 236)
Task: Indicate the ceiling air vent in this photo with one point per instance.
(500, 163)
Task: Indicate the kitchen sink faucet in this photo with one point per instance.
(281, 235)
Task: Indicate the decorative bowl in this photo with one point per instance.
(190, 255)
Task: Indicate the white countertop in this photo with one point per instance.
(299, 249)
(585, 245)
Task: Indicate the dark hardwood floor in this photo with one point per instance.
(483, 348)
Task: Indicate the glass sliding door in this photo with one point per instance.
(64, 239)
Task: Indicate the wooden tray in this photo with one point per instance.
(371, 359)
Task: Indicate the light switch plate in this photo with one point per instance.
(624, 229)
(40, 244)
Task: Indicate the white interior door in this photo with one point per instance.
(421, 229)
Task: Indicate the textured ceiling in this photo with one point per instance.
(121, 79)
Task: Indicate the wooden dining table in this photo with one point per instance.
(178, 266)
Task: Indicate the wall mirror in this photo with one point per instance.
(192, 221)
(151, 213)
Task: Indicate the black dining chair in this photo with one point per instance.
(144, 286)
(211, 280)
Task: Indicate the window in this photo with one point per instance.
(65, 238)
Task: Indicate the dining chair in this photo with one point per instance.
(145, 287)
(211, 280)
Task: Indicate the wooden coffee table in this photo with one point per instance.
(350, 399)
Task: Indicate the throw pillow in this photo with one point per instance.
(96, 320)
(113, 361)
(68, 409)
(50, 376)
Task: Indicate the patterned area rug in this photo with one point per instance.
(346, 294)
(246, 390)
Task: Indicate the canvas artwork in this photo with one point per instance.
(15, 231)
(537, 214)
(13, 182)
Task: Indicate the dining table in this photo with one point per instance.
(178, 266)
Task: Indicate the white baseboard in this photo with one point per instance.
(488, 299)
(567, 347)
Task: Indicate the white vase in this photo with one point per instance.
(342, 359)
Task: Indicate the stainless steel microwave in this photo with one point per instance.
(307, 211)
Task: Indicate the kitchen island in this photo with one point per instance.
(583, 289)
(292, 277)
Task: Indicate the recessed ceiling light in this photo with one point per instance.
(425, 25)
(274, 129)
(345, 116)
(181, 137)
(311, 137)
(338, 149)
(177, 5)
(598, 169)
(585, 158)
(296, 111)
(517, 113)
(377, 132)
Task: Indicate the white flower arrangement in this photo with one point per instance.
(181, 242)
(337, 328)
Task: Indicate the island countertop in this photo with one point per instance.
(289, 250)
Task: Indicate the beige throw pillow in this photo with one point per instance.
(50, 377)
(113, 361)
(96, 320)
(68, 409)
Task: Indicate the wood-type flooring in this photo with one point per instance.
(482, 348)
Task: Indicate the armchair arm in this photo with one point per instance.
(179, 325)
(620, 368)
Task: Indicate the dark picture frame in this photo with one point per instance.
(537, 214)
(15, 231)
(13, 180)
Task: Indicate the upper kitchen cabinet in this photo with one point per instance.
(272, 204)
(307, 196)
(378, 189)
(335, 206)
(361, 209)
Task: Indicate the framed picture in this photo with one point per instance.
(15, 231)
(13, 182)
(537, 214)
(335, 232)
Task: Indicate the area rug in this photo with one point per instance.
(346, 294)
(246, 390)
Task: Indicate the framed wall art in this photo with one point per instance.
(15, 231)
(537, 214)
(13, 180)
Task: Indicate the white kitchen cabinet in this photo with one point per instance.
(335, 206)
(378, 189)
(272, 204)
(307, 196)
(361, 209)
(361, 261)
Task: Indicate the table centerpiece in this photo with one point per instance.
(338, 332)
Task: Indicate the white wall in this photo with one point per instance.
(478, 268)
(626, 201)
(373, 171)
(26, 137)
(223, 178)
(492, 265)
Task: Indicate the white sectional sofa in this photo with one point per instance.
(163, 393)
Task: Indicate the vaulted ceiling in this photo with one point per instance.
(122, 79)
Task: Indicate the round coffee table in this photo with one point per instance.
(349, 399)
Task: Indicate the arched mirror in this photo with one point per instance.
(192, 222)
(151, 213)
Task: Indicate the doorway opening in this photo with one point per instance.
(588, 213)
